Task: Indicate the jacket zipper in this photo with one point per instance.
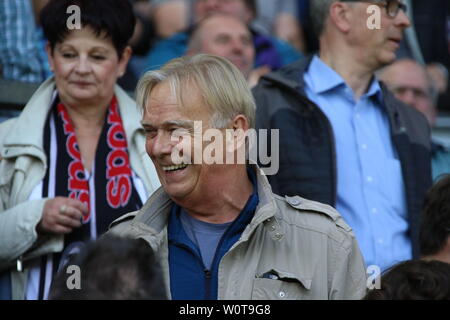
(207, 273)
(208, 279)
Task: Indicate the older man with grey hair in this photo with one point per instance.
(345, 140)
(220, 231)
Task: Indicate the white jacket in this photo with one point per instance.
(22, 167)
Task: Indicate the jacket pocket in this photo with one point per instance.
(280, 285)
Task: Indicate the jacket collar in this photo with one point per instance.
(28, 128)
(154, 216)
(291, 75)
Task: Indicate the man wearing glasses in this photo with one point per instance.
(344, 139)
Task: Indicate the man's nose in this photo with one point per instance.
(402, 19)
(407, 97)
(237, 46)
(161, 145)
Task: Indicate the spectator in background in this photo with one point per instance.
(435, 226)
(410, 83)
(430, 20)
(279, 18)
(112, 268)
(155, 20)
(345, 140)
(22, 53)
(226, 36)
(270, 52)
(169, 16)
(439, 75)
(414, 280)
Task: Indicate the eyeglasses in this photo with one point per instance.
(392, 6)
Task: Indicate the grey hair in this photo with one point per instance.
(319, 10)
(222, 86)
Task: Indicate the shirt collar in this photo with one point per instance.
(323, 78)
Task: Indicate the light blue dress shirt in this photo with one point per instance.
(370, 188)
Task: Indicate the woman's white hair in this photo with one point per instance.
(220, 83)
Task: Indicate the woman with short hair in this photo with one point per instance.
(75, 159)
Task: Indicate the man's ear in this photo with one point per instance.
(339, 15)
(241, 122)
(235, 136)
(49, 51)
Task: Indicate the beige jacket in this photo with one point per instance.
(307, 244)
(22, 167)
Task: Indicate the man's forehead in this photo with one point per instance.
(410, 72)
(223, 21)
(168, 101)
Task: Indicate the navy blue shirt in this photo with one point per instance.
(189, 278)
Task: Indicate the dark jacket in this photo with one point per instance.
(307, 145)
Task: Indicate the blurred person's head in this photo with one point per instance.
(414, 280)
(169, 17)
(342, 29)
(439, 75)
(224, 36)
(112, 268)
(410, 83)
(88, 59)
(244, 10)
(435, 225)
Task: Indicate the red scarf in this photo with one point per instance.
(108, 192)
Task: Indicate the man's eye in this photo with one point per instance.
(68, 55)
(222, 40)
(179, 131)
(98, 57)
(150, 133)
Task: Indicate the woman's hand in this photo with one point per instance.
(61, 215)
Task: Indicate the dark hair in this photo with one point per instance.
(112, 268)
(112, 19)
(435, 225)
(414, 280)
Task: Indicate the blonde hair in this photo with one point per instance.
(221, 85)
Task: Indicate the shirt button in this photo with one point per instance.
(282, 294)
(380, 241)
(374, 210)
(369, 179)
(364, 146)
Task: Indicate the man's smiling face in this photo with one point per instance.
(162, 117)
